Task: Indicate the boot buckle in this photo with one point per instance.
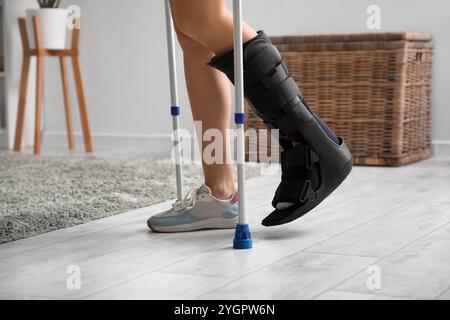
(310, 158)
(307, 192)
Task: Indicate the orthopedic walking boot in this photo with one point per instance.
(322, 161)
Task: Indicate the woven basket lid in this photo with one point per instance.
(375, 36)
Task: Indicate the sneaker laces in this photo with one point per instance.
(188, 202)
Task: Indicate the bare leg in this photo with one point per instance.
(210, 100)
(209, 22)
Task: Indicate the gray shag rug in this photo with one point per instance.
(41, 194)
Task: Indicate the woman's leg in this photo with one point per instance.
(210, 100)
(311, 171)
(208, 22)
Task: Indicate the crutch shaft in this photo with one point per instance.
(239, 101)
(175, 109)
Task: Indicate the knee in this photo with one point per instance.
(192, 23)
(187, 44)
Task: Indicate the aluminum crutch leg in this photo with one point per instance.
(242, 239)
(175, 108)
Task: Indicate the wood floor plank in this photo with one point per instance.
(106, 268)
(46, 240)
(384, 235)
(378, 212)
(445, 295)
(418, 271)
(346, 295)
(162, 286)
(300, 276)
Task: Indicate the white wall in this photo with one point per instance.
(2, 81)
(125, 65)
(13, 9)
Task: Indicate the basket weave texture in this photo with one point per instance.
(374, 90)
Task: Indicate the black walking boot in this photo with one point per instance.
(322, 161)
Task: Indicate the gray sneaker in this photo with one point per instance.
(198, 210)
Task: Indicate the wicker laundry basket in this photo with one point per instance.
(372, 89)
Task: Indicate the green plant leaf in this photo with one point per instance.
(49, 3)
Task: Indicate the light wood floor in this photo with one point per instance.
(391, 220)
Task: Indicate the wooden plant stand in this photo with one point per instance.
(40, 53)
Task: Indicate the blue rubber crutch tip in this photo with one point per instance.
(242, 237)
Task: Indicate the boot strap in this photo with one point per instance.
(294, 191)
(303, 156)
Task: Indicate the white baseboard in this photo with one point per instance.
(158, 145)
(441, 148)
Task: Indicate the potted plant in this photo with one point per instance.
(53, 24)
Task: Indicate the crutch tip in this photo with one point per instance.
(242, 237)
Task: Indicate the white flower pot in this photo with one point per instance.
(53, 27)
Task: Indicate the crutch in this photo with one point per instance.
(242, 238)
(175, 108)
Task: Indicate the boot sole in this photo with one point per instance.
(291, 214)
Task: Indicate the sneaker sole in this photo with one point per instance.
(211, 223)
